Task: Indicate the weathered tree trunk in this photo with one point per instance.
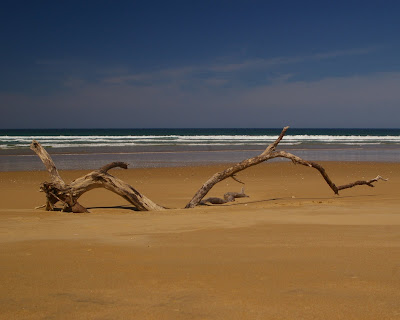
(68, 194)
(269, 153)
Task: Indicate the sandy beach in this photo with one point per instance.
(292, 250)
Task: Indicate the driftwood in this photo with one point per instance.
(68, 194)
(270, 153)
(228, 197)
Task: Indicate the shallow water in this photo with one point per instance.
(76, 158)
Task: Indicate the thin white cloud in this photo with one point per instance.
(254, 64)
(164, 74)
(210, 70)
(273, 62)
(355, 91)
(342, 53)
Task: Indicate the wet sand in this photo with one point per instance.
(293, 250)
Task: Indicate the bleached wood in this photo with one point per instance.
(231, 171)
(270, 153)
(68, 194)
(47, 161)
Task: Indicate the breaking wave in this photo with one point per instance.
(88, 141)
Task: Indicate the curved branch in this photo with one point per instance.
(231, 171)
(298, 160)
(335, 189)
(236, 179)
(362, 182)
(99, 179)
(268, 154)
(111, 165)
(68, 194)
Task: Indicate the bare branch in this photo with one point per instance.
(47, 161)
(111, 165)
(368, 183)
(68, 194)
(298, 160)
(268, 154)
(220, 176)
(236, 179)
(322, 171)
(273, 145)
(98, 179)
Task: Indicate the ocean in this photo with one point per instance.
(92, 148)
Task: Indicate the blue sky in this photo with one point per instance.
(134, 64)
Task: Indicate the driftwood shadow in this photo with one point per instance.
(290, 198)
(130, 208)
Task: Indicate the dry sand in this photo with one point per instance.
(292, 250)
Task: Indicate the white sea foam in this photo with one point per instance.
(7, 142)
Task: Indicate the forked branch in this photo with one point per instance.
(368, 183)
(68, 194)
(270, 153)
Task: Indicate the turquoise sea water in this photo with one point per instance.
(91, 148)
